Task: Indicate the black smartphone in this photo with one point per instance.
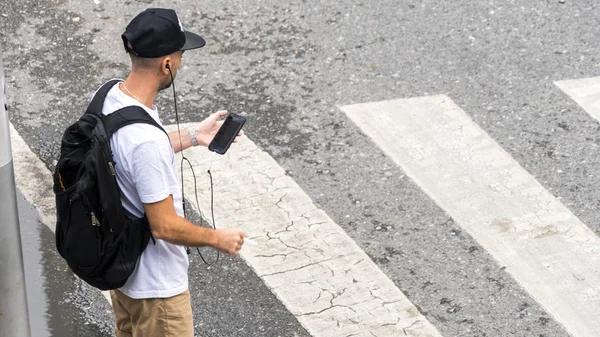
(227, 132)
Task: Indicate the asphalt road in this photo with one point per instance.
(289, 66)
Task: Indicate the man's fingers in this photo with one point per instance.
(240, 242)
(235, 140)
(233, 241)
(220, 114)
(237, 248)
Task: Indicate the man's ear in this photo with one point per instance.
(165, 65)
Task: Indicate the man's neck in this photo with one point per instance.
(141, 88)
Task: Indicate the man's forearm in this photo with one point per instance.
(167, 225)
(182, 232)
(182, 143)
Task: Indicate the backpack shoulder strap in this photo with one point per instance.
(95, 106)
(126, 116)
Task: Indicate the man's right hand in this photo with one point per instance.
(167, 225)
(230, 241)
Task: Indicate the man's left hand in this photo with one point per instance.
(207, 129)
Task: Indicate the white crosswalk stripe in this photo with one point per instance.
(33, 179)
(585, 91)
(552, 254)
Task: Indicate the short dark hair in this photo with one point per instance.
(143, 62)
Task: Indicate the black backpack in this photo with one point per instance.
(98, 238)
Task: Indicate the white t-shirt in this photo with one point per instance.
(147, 173)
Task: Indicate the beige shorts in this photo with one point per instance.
(153, 317)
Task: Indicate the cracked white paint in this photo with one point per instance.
(311, 265)
(585, 91)
(548, 250)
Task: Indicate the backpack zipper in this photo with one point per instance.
(112, 168)
(95, 221)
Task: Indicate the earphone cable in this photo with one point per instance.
(184, 158)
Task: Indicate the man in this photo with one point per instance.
(155, 301)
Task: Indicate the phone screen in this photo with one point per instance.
(227, 132)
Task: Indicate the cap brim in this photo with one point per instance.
(193, 41)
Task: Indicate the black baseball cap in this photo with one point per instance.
(158, 32)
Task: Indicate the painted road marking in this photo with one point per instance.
(313, 267)
(34, 180)
(550, 252)
(586, 92)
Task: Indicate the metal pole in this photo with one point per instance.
(14, 317)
